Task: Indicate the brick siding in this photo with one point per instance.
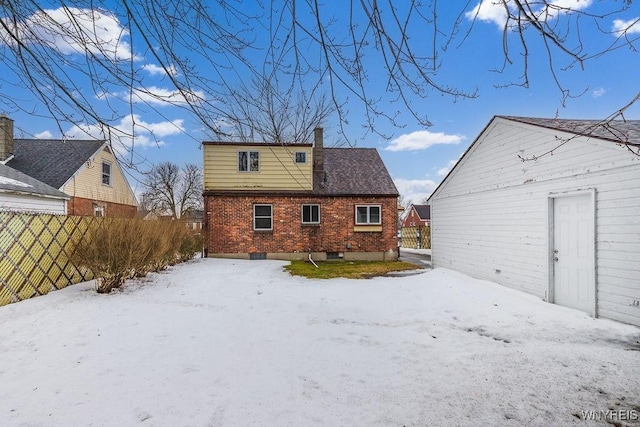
(84, 207)
(229, 225)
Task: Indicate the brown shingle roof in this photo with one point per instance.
(353, 171)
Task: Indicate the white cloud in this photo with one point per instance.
(155, 70)
(598, 92)
(132, 132)
(421, 140)
(496, 12)
(632, 26)
(44, 135)
(74, 30)
(415, 190)
(489, 11)
(445, 170)
(154, 95)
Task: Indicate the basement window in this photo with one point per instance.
(310, 214)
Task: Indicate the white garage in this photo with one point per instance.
(550, 207)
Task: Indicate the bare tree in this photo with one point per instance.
(304, 48)
(265, 112)
(172, 190)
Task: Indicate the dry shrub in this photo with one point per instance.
(117, 249)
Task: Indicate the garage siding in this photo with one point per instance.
(490, 217)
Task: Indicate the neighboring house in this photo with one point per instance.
(85, 170)
(265, 200)
(22, 193)
(564, 227)
(193, 219)
(418, 216)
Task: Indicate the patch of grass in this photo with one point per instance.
(347, 269)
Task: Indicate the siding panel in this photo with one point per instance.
(490, 218)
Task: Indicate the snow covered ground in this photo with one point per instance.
(234, 343)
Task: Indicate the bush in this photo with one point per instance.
(117, 249)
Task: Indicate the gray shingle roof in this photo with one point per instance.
(617, 130)
(354, 171)
(52, 161)
(423, 211)
(14, 181)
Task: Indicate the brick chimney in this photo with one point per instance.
(318, 156)
(6, 137)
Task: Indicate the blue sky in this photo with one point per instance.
(416, 157)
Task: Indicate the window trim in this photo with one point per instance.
(295, 157)
(262, 217)
(369, 214)
(109, 176)
(248, 164)
(311, 205)
(98, 209)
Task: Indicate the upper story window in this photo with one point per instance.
(248, 161)
(301, 157)
(106, 173)
(368, 214)
(311, 214)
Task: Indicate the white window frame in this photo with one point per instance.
(109, 175)
(255, 217)
(369, 222)
(303, 154)
(98, 211)
(310, 206)
(248, 164)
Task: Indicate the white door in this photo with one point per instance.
(573, 252)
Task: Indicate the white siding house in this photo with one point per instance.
(564, 227)
(21, 193)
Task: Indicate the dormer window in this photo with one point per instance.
(106, 173)
(248, 161)
(301, 157)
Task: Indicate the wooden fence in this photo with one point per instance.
(416, 237)
(34, 251)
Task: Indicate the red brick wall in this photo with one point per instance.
(229, 225)
(84, 207)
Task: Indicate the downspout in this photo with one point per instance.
(311, 260)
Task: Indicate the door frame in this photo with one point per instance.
(552, 196)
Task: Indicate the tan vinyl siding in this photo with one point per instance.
(87, 182)
(278, 169)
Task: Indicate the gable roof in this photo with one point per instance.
(423, 211)
(616, 131)
(13, 181)
(353, 171)
(52, 161)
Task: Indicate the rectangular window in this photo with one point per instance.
(368, 214)
(248, 161)
(106, 173)
(301, 157)
(98, 211)
(262, 217)
(311, 214)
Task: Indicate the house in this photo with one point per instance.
(193, 219)
(417, 216)
(87, 171)
(22, 193)
(266, 200)
(549, 207)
